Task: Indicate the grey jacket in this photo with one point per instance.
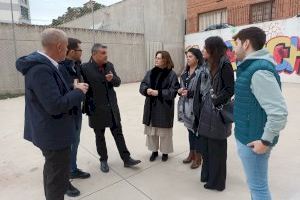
(185, 103)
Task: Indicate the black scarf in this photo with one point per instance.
(157, 77)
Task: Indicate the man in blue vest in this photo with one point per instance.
(260, 111)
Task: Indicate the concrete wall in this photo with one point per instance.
(283, 41)
(135, 30)
(165, 24)
(161, 21)
(125, 16)
(126, 51)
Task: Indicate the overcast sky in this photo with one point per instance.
(43, 11)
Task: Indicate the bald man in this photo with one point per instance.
(49, 104)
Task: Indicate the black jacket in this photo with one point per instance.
(72, 70)
(159, 111)
(223, 85)
(223, 82)
(49, 119)
(101, 98)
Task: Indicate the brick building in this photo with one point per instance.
(203, 13)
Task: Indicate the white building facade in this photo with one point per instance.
(20, 8)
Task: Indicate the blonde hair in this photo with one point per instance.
(52, 36)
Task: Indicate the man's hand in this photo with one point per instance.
(258, 147)
(81, 86)
(109, 76)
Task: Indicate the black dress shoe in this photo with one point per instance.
(206, 186)
(131, 162)
(79, 174)
(164, 157)
(153, 156)
(72, 191)
(104, 166)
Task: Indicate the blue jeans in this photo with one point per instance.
(256, 170)
(74, 148)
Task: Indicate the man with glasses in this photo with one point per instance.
(70, 69)
(102, 107)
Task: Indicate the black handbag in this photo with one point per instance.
(211, 123)
(226, 111)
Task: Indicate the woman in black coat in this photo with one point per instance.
(160, 86)
(214, 147)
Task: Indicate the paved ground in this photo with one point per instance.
(21, 163)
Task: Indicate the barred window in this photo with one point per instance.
(212, 18)
(261, 12)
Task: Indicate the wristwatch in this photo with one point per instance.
(265, 142)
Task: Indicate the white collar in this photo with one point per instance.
(51, 60)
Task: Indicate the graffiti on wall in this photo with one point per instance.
(286, 52)
(285, 49)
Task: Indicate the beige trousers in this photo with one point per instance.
(159, 139)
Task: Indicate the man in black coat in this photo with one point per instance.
(49, 103)
(70, 69)
(102, 107)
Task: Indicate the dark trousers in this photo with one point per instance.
(56, 173)
(74, 149)
(194, 142)
(214, 154)
(117, 133)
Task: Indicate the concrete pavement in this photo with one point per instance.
(21, 163)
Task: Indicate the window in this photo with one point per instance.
(24, 2)
(24, 12)
(261, 12)
(212, 18)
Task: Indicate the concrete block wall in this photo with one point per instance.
(126, 51)
(161, 21)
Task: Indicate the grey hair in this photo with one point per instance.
(53, 36)
(96, 47)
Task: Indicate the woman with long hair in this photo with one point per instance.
(214, 132)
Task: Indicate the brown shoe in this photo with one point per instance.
(190, 158)
(197, 161)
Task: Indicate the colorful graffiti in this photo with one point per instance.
(285, 49)
(286, 52)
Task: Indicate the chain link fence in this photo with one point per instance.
(22, 21)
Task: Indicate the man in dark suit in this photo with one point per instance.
(49, 103)
(102, 107)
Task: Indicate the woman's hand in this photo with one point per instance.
(184, 93)
(151, 92)
(180, 91)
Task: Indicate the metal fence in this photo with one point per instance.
(20, 30)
